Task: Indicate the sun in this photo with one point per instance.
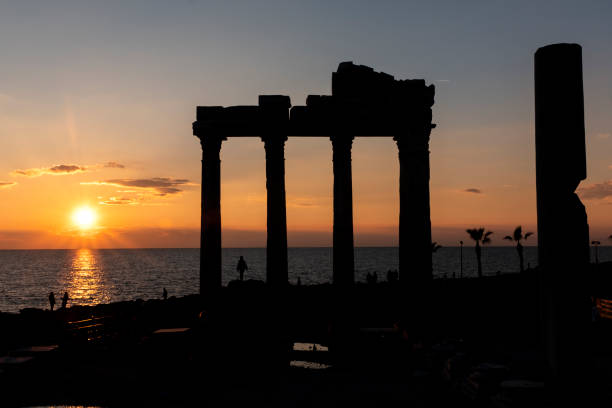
(84, 217)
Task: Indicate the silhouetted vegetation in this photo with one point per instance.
(517, 236)
(481, 237)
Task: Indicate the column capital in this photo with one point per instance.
(414, 139)
(210, 142)
(342, 141)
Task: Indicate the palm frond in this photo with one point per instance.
(509, 238)
(487, 234)
(475, 233)
(486, 241)
(518, 233)
(528, 234)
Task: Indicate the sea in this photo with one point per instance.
(93, 276)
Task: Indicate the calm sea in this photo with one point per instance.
(106, 275)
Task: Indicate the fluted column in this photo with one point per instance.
(210, 238)
(414, 219)
(343, 252)
(276, 249)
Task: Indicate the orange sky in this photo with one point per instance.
(96, 106)
(137, 210)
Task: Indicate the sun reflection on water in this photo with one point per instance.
(86, 286)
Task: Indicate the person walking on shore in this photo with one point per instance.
(241, 267)
(51, 300)
(165, 294)
(64, 300)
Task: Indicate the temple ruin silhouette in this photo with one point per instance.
(363, 103)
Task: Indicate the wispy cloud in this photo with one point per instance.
(120, 201)
(7, 184)
(473, 190)
(58, 169)
(159, 186)
(603, 135)
(64, 169)
(304, 201)
(113, 165)
(597, 191)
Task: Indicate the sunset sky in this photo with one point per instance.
(97, 101)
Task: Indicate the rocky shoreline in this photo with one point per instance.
(476, 345)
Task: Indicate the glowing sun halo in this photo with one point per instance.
(84, 217)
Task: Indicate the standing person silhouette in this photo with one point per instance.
(51, 300)
(241, 267)
(165, 294)
(64, 300)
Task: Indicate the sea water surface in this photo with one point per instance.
(92, 276)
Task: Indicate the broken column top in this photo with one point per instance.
(360, 82)
(559, 106)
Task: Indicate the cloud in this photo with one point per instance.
(473, 190)
(597, 191)
(58, 169)
(159, 186)
(7, 184)
(603, 135)
(114, 165)
(443, 80)
(306, 201)
(64, 169)
(120, 201)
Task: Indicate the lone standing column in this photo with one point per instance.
(414, 219)
(563, 232)
(210, 238)
(343, 253)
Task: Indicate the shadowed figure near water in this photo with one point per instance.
(51, 300)
(241, 267)
(64, 300)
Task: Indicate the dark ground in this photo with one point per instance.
(454, 345)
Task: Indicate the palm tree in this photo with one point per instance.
(517, 236)
(481, 237)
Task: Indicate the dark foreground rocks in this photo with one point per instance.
(473, 343)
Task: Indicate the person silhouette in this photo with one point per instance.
(64, 300)
(165, 294)
(241, 267)
(51, 300)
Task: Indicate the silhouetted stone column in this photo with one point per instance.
(414, 220)
(343, 252)
(276, 249)
(563, 232)
(275, 118)
(210, 234)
